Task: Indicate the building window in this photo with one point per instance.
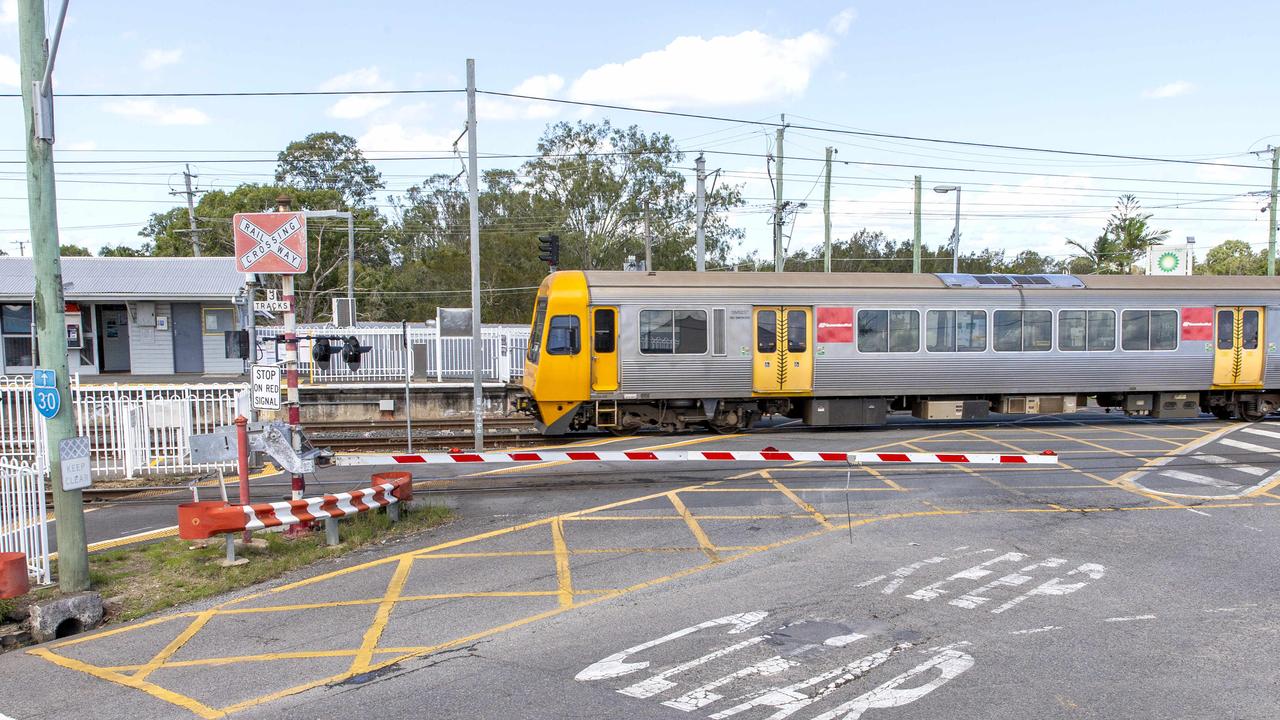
(664, 332)
(219, 320)
(563, 337)
(1023, 330)
(888, 331)
(15, 327)
(1092, 330)
(1150, 330)
(956, 330)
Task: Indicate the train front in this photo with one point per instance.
(557, 370)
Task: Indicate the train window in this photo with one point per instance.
(1086, 330)
(888, 330)
(663, 332)
(691, 332)
(767, 331)
(1249, 329)
(1149, 330)
(904, 330)
(1023, 330)
(562, 336)
(797, 331)
(718, 330)
(1226, 329)
(956, 330)
(535, 335)
(604, 331)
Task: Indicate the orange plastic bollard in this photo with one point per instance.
(403, 482)
(13, 575)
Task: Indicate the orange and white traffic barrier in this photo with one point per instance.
(766, 455)
(202, 520)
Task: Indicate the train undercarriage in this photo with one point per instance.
(624, 417)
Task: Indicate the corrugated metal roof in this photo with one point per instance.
(90, 278)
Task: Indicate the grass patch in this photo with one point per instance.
(160, 575)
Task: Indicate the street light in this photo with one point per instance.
(955, 233)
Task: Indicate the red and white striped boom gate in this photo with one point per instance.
(768, 455)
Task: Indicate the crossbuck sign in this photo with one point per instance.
(274, 243)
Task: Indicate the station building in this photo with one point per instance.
(128, 316)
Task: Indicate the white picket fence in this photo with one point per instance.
(24, 524)
(437, 358)
(133, 430)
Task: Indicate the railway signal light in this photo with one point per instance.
(321, 351)
(549, 250)
(352, 350)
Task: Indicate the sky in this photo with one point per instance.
(1176, 80)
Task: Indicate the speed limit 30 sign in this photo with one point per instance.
(265, 387)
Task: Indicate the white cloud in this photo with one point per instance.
(9, 74)
(750, 67)
(157, 58)
(394, 137)
(8, 12)
(1168, 90)
(357, 106)
(841, 22)
(156, 113)
(492, 108)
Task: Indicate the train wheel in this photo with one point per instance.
(1223, 412)
(624, 430)
(723, 429)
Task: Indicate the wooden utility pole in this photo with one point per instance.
(50, 305)
(915, 238)
(826, 217)
(187, 177)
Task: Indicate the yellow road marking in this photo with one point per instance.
(704, 542)
(151, 689)
(189, 632)
(813, 512)
(564, 575)
(993, 482)
(1127, 479)
(555, 463)
(383, 615)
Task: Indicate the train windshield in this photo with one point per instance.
(535, 335)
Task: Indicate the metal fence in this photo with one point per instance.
(427, 357)
(24, 524)
(132, 429)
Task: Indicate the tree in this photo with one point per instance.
(329, 161)
(124, 251)
(1124, 241)
(69, 250)
(1233, 257)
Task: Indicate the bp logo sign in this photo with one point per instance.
(1168, 262)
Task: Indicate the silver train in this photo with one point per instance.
(626, 350)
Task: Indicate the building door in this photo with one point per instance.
(783, 357)
(604, 349)
(113, 335)
(188, 338)
(1239, 347)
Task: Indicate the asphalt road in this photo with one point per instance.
(1114, 585)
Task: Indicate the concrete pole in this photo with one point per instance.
(826, 218)
(473, 192)
(351, 266)
(49, 303)
(915, 238)
(955, 237)
(648, 240)
(191, 212)
(1271, 229)
(700, 251)
(778, 203)
(298, 484)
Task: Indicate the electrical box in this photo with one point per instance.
(1137, 404)
(1176, 405)
(387, 405)
(846, 411)
(951, 409)
(144, 314)
(1037, 404)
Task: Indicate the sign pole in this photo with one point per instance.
(297, 483)
(473, 191)
(49, 309)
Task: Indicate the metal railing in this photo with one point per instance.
(132, 429)
(24, 524)
(428, 357)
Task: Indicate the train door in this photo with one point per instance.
(783, 355)
(604, 349)
(1239, 350)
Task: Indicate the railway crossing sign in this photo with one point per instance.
(266, 387)
(273, 243)
(44, 392)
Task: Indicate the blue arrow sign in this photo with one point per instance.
(44, 392)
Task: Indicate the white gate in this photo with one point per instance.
(23, 517)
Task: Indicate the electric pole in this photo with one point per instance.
(778, 203)
(648, 240)
(1271, 228)
(187, 177)
(37, 60)
(915, 238)
(473, 212)
(22, 247)
(700, 256)
(826, 217)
